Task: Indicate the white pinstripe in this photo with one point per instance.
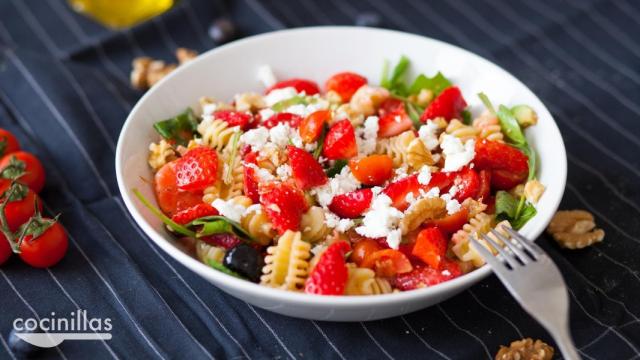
(328, 340)
(265, 15)
(389, 11)
(164, 34)
(286, 349)
(55, 279)
(24, 301)
(345, 8)
(484, 346)
(316, 11)
(6, 347)
(364, 327)
(188, 10)
(422, 340)
(495, 312)
(627, 9)
(595, 340)
(288, 14)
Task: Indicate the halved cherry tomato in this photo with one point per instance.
(301, 85)
(8, 143)
(19, 210)
(33, 171)
(373, 169)
(388, 262)
(170, 199)
(345, 84)
(311, 127)
(363, 249)
(451, 223)
(430, 247)
(47, 249)
(5, 249)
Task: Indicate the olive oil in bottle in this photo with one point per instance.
(120, 14)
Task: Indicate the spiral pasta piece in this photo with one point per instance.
(256, 222)
(488, 127)
(421, 211)
(206, 252)
(480, 224)
(396, 147)
(222, 190)
(287, 263)
(313, 225)
(363, 281)
(160, 154)
(216, 133)
(460, 130)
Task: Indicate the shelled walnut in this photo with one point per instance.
(147, 72)
(525, 349)
(575, 229)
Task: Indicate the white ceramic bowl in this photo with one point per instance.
(317, 53)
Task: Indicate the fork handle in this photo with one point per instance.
(562, 336)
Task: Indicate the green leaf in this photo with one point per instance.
(506, 206)
(487, 103)
(170, 223)
(395, 84)
(15, 192)
(466, 117)
(336, 168)
(528, 150)
(232, 157)
(414, 112)
(384, 77)
(318, 151)
(527, 212)
(179, 128)
(218, 266)
(217, 224)
(510, 126)
(14, 170)
(284, 104)
(436, 84)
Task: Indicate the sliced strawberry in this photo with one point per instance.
(423, 276)
(340, 142)
(235, 118)
(449, 105)
(306, 170)
(170, 199)
(352, 204)
(345, 84)
(373, 169)
(509, 166)
(311, 127)
(250, 178)
(195, 212)
(388, 262)
(485, 185)
(226, 241)
(467, 182)
(393, 118)
(284, 117)
(430, 247)
(329, 276)
(284, 205)
(301, 85)
(399, 189)
(197, 169)
(451, 223)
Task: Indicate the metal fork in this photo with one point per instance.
(535, 281)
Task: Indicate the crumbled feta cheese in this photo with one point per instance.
(427, 134)
(208, 109)
(446, 272)
(393, 239)
(424, 176)
(342, 183)
(266, 76)
(263, 174)
(333, 221)
(381, 220)
(376, 190)
(311, 146)
(278, 95)
(255, 208)
(400, 172)
(453, 190)
(367, 136)
(410, 198)
(453, 206)
(298, 109)
(229, 209)
(457, 155)
(257, 138)
(280, 134)
(283, 172)
(318, 249)
(266, 113)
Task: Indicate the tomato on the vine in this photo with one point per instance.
(8, 143)
(46, 249)
(24, 167)
(21, 205)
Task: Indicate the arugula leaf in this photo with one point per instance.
(528, 150)
(318, 151)
(218, 266)
(436, 84)
(336, 168)
(217, 224)
(232, 158)
(395, 84)
(517, 212)
(527, 212)
(466, 117)
(179, 128)
(182, 230)
(400, 70)
(284, 104)
(414, 112)
(487, 103)
(510, 126)
(384, 76)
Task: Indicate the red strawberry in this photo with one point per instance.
(226, 241)
(393, 118)
(250, 178)
(345, 84)
(197, 169)
(306, 170)
(509, 166)
(170, 199)
(468, 184)
(311, 127)
(399, 189)
(340, 142)
(449, 105)
(423, 276)
(284, 204)
(485, 185)
(187, 215)
(450, 223)
(309, 87)
(292, 119)
(430, 247)
(329, 276)
(235, 118)
(352, 204)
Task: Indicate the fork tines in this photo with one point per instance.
(519, 251)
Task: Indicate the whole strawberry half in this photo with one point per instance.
(329, 276)
(235, 118)
(301, 85)
(197, 169)
(250, 178)
(399, 189)
(352, 204)
(345, 84)
(393, 118)
(340, 142)
(292, 120)
(306, 170)
(449, 105)
(284, 204)
(509, 166)
(195, 212)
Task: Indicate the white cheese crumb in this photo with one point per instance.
(263, 174)
(311, 147)
(209, 109)
(381, 220)
(410, 198)
(393, 239)
(283, 172)
(427, 134)
(424, 176)
(333, 221)
(266, 76)
(266, 113)
(376, 190)
(255, 208)
(367, 136)
(457, 155)
(318, 249)
(298, 109)
(257, 138)
(446, 272)
(453, 206)
(400, 172)
(280, 134)
(278, 95)
(342, 183)
(229, 209)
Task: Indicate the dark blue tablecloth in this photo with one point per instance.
(64, 91)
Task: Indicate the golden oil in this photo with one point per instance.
(120, 14)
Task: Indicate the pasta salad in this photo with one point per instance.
(354, 189)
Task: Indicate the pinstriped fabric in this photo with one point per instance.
(160, 309)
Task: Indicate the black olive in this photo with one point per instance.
(222, 30)
(370, 19)
(20, 347)
(245, 260)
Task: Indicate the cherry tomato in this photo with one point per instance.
(388, 262)
(33, 171)
(451, 223)
(47, 249)
(5, 249)
(170, 199)
(373, 169)
(363, 249)
(8, 143)
(20, 210)
(311, 127)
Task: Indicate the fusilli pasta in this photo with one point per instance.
(488, 127)
(216, 133)
(460, 130)
(313, 225)
(480, 224)
(363, 281)
(287, 263)
(396, 147)
(160, 154)
(258, 225)
(206, 252)
(421, 211)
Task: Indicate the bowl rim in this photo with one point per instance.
(283, 296)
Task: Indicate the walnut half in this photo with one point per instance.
(575, 229)
(525, 349)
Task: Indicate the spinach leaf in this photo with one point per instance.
(436, 84)
(179, 128)
(318, 151)
(528, 211)
(395, 84)
(466, 117)
(510, 126)
(517, 212)
(218, 266)
(414, 112)
(336, 168)
(487, 103)
(284, 104)
(384, 76)
(217, 224)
